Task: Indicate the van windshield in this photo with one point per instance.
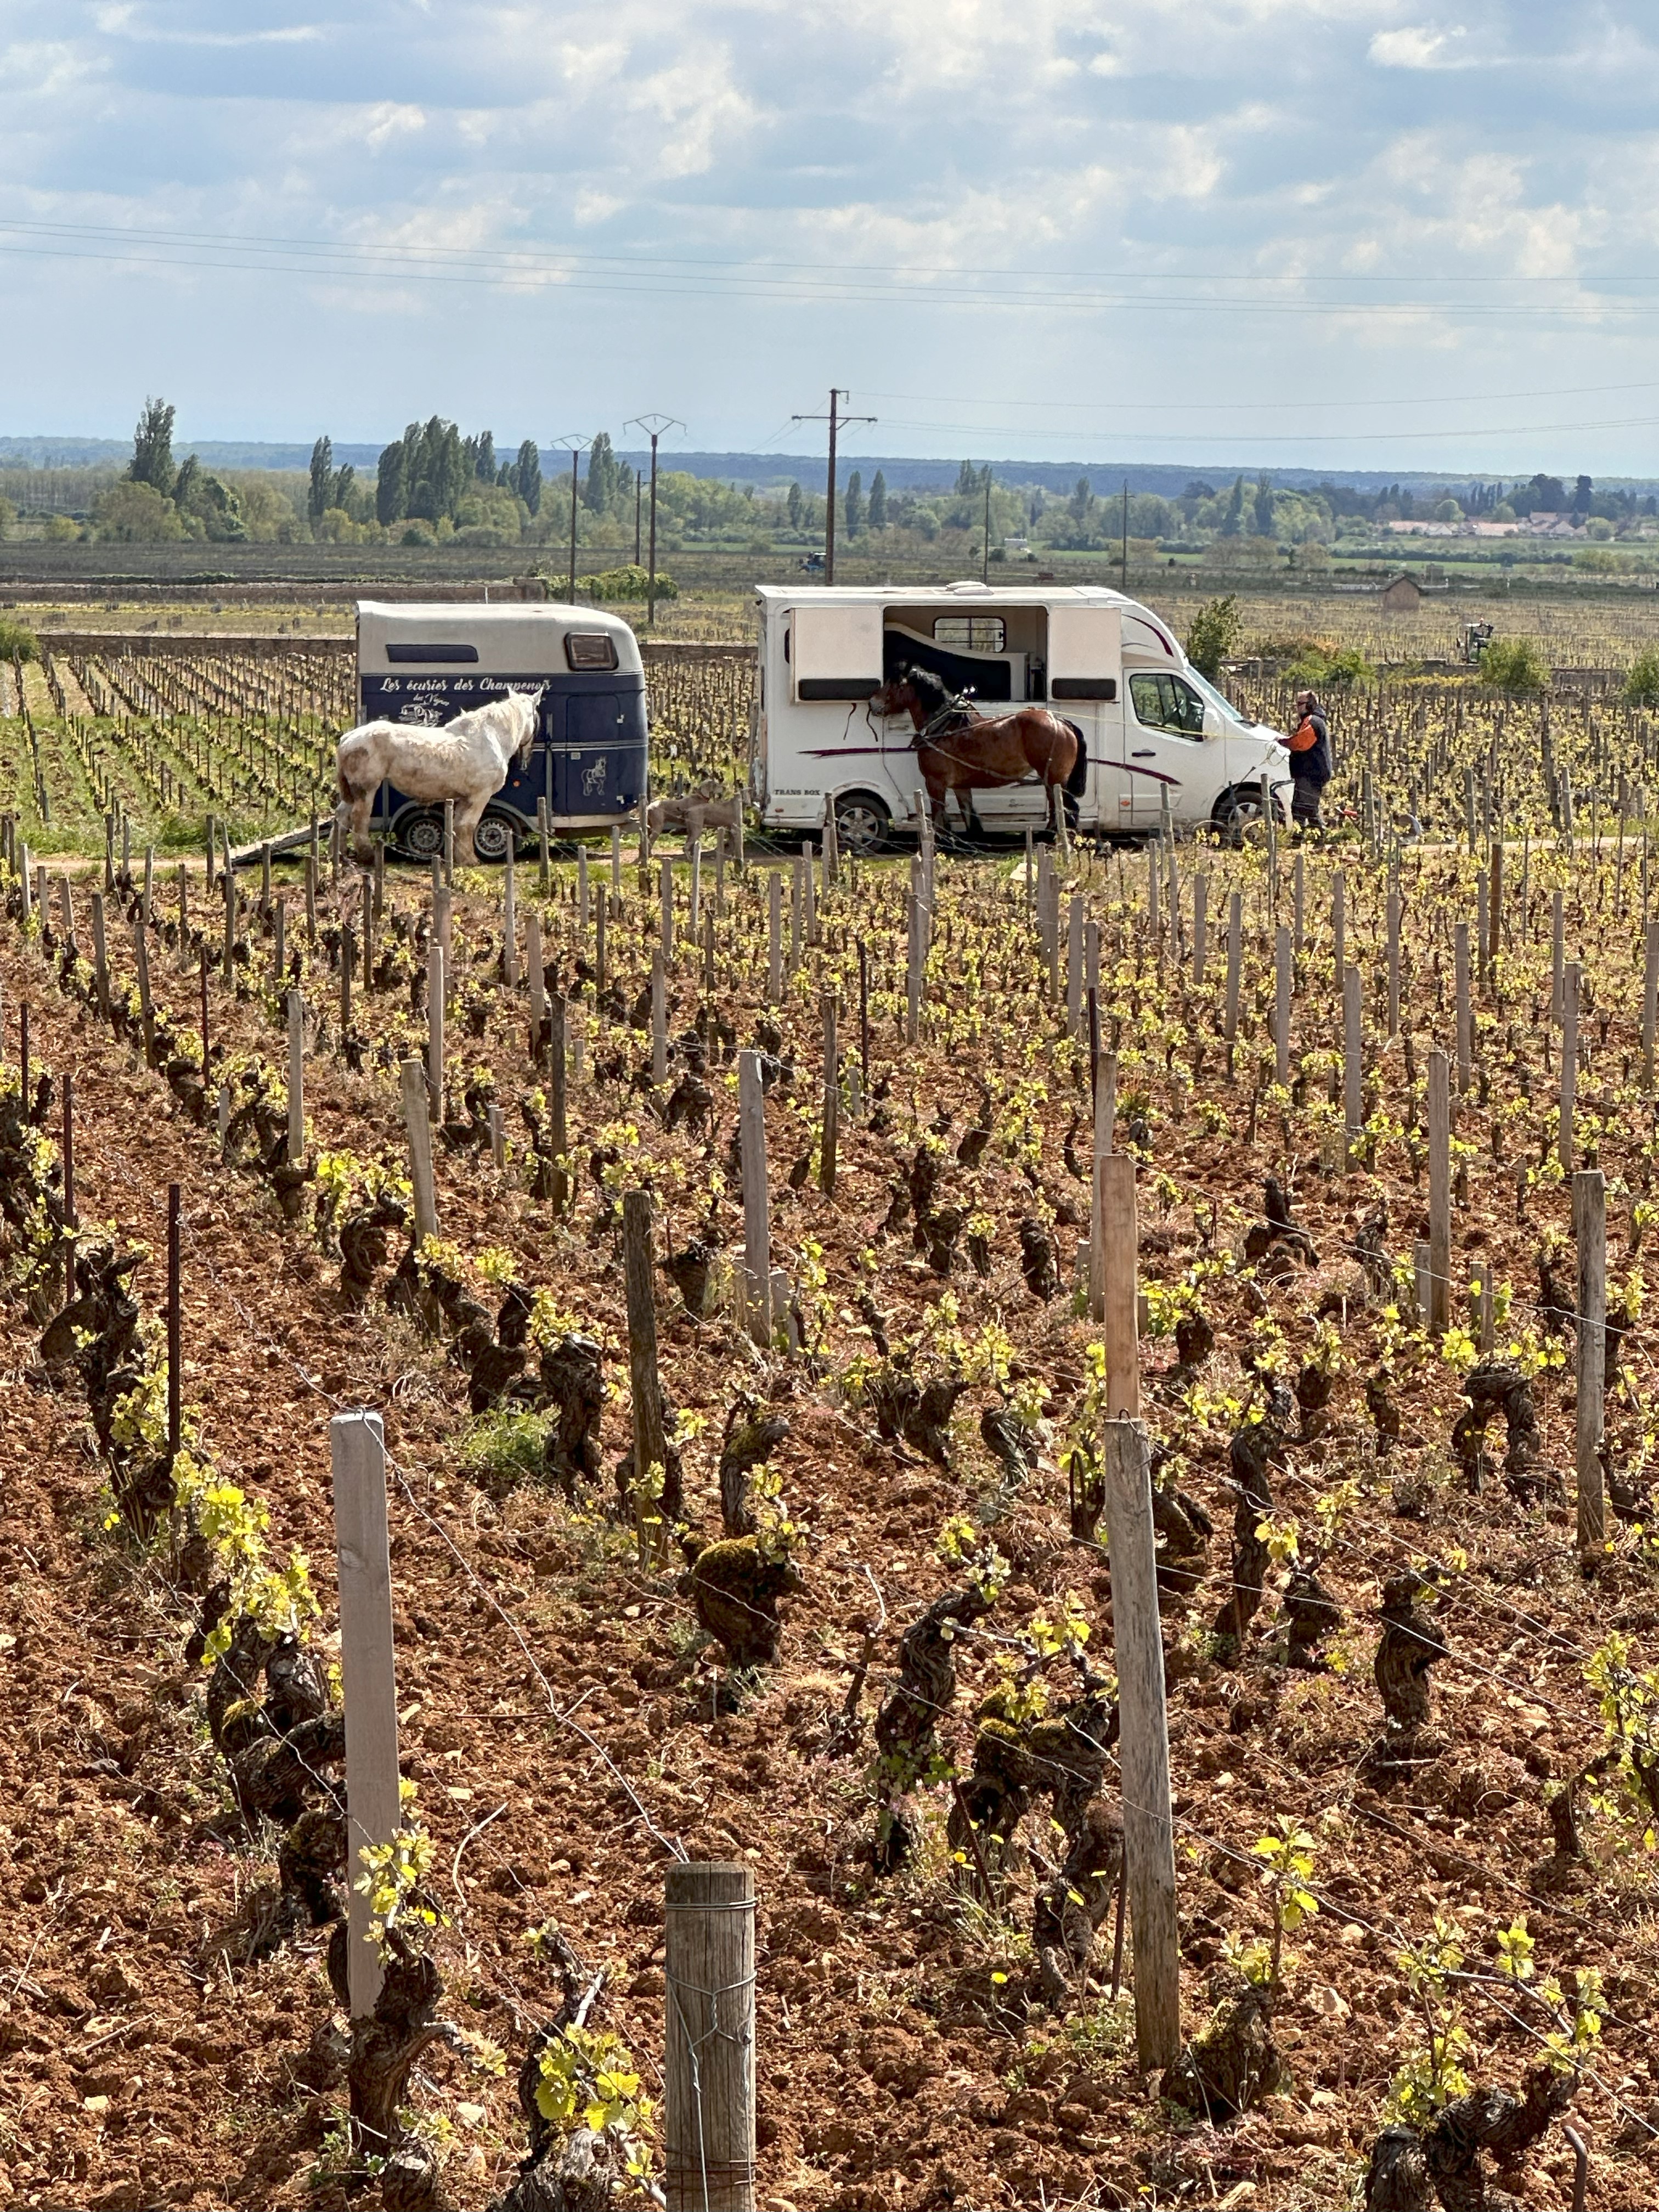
(1216, 698)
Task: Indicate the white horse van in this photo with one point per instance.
(1150, 724)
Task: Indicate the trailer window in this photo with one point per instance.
(399, 654)
(1164, 702)
(590, 648)
(971, 633)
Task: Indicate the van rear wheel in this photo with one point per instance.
(862, 824)
(492, 837)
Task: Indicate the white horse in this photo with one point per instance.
(468, 760)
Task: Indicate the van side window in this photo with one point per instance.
(1165, 702)
(971, 633)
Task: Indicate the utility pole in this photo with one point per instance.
(984, 553)
(836, 422)
(575, 447)
(653, 426)
(639, 490)
(1126, 534)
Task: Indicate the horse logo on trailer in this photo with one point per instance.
(594, 778)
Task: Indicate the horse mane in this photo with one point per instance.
(928, 687)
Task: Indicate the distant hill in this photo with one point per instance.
(903, 472)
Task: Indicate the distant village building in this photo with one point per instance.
(1402, 595)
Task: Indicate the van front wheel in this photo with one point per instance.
(1237, 815)
(862, 824)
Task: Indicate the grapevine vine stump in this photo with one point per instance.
(709, 2066)
(1235, 960)
(532, 940)
(357, 1446)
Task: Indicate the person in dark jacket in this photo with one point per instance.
(1310, 761)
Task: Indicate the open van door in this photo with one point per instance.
(1085, 686)
(835, 652)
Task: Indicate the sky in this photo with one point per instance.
(1311, 232)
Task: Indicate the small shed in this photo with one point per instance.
(1402, 595)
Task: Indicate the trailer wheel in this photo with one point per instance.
(862, 824)
(421, 835)
(492, 837)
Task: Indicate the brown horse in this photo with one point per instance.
(957, 750)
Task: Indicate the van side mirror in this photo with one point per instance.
(1213, 725)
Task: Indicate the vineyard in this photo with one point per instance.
(166, 742)
(746, 1408)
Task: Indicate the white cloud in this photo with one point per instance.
(1418, 47)
(389, 120)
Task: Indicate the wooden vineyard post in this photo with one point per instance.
(1569, 1062)
(368, 935)
(1105, 1116)
(1298, 899)
(1234, 962)
(1439, 1191)
(1073, 969)
(864, 1019)
(757, 1205)
(101, 957)
(658, 1020)
(1340, 921)
(510, 923)
(665, 873)
(296, 1076)
(146, 1005)
(1557, 955)
(1650, 998)
(831, 1101)
(600, 963)
(1138, 1645)
(1393, 964)
(265, 877)
(435, 1027)
(1282, 1006)
(449, 842)
(1494, 905)
(206, 1040)
(1200, 927)
(417, 1122)
(1119, 1236)
(558, 1098)
(650, 1436)
(348, 962)
(1352, 1064)
(357, 1448)
(533, 953)
(310, 893)
(582, 889)
(1589, 1228)
(545, 871)
(774, 938)
(183, 915)
(175, 1327)
(797, 910)
(615, 862)
(279, 940)
(71, 1220)
(693, 911)
(709, 2059)
(915, 955)
(149, 885)
(1460, 971)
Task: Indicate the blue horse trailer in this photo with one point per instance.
(428, 662)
